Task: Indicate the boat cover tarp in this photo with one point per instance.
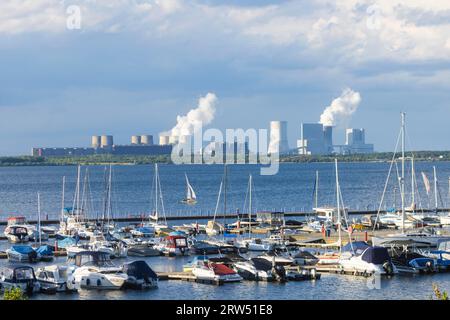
(221, 269)
(262, 264)
(140, 270)
(22, 249)
(376, 255)
(67, 242)
(356, 247)
(45, 250)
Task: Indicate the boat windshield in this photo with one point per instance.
(24, 273)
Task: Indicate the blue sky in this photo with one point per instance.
(134, 65)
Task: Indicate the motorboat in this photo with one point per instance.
(22, 277)
(373, 260)
(408, 261)
(140, 275)
(16, 234)
(255, 244)
(173, 246)
(278, 259)
(45, 253)
(95, 270)
(143, 250)
(305, 258)
(143, 232)
(22, 253)
(20, 221)
(210, 271)
(256, 269)
(54, 277)
(202, 247)
(421, 237)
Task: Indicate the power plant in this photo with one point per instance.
(317, 139)
(140, 145)
(278, 142)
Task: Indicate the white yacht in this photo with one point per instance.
(94, 270)
(54, 277)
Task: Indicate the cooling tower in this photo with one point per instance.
(278, 137)
(107, 141)
(328, 138)
(147, 139)
(96, 141)
(164, 140)
(135, 139)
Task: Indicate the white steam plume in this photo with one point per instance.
(341, 109)
(202, 115)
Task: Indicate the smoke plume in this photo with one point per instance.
(202, 115)
(339, 112)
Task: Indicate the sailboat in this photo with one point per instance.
(253, 244)
(154, 221)
(191, 197)
(421, 237)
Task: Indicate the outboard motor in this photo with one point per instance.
(388, 267)
(32, 256)
(279, 272)
(430, 267)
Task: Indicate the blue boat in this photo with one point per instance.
(22, 253)
(45, 253)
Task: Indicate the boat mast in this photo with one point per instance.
(402, 179)
(156, 192)
(109, 195)
(413, 186)
(435, 190)
(225, 196)
(338, 205)
(63, 198)
(316, 200)
(250, 180)
(39, 218)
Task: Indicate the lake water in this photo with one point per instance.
(290, 190)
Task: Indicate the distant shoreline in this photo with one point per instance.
(29, 161)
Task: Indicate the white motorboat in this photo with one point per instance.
(207, 270)
(173, 246)
(277, 259)
(255, 269)
(16, 234)
(54, 277)
(255, 244)
(421, 238)
(374, 260)
(22, 277)
(94, 270)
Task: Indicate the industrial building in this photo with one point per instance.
(317, 139)
(312, 139)
(355, 142)
(278, 142)
(140, 145)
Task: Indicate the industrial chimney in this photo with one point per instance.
(278, 137)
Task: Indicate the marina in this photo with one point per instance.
(324, 278)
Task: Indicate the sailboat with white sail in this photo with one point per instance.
(191, 197)
(420, 237)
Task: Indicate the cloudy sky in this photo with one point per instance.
(134, 65)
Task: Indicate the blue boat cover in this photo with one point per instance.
(376, 255)
(45, 250)
(22, 249)
(67, 242)
(356, 247)
(177, 233)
